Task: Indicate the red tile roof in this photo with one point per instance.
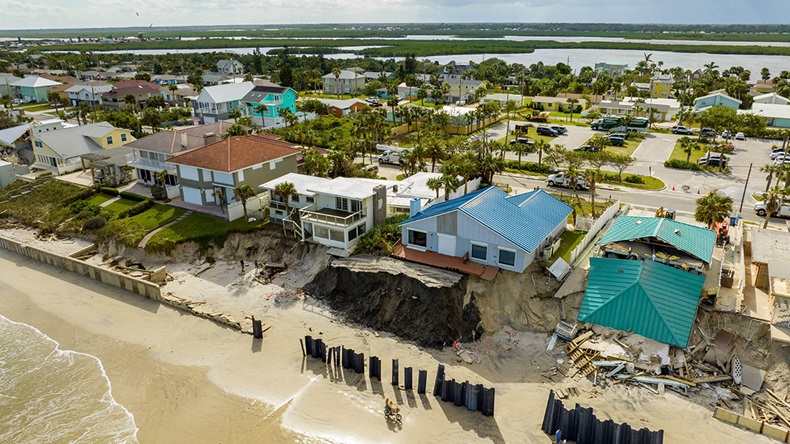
(237, 153)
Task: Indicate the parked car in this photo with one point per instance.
(391, 157)
(781, 159)
(546, 131)
(681, 130)
(783, 211)
(708, 132)
(587, 148)
(620, 135)
(616, 141)
(740, 136)
(726, 134)
(713, 159)
(559, 128)
(371, 168)
(523, 140)
(776, 152)
(561, 180)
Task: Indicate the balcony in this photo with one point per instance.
(330, 216)
(276, 205)
(152, 165)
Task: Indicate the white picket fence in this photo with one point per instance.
(605, 217)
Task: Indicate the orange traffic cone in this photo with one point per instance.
(673, 188)
(697, 190)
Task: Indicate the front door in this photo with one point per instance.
(446, 244)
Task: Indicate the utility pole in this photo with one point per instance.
(743, 196)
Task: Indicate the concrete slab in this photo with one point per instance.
(752, 377)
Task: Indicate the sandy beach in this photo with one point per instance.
(187, 379)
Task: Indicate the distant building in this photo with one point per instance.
(33, 88)
(771, 98)
(233, 67)
(613, 69)
(90, 92)
(60, 151)
(215, 102)
(715, 98)
(775, 115)
(348, 82)
(274, 98)
(340, 108)
(662, 86)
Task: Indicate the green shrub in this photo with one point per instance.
(82, 206)
(381, 239)
(109, 190)
(94, 223)
(137, 209)
(211, 260)
(158, 192)
(530, 166)
(682, 165)
(132, 196)
(82, 195)
(633, 178)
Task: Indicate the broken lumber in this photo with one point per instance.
(720, 378)
(649, 380)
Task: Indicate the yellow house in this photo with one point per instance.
(558, 104)
(60, 150)
(662, 86)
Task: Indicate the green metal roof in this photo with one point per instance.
(694, 240)
(649, 298)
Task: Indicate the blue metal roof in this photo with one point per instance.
(525, 219)
(694, 240)
(649, 298)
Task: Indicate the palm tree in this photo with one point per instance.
(242, 193)
(450, 183)
(688, 146)
(434, 183)
(541, 146)
(524, 148)
(262, 109)
(710, 67)
(235, 130)
(234, 114)
(770, 170)
(772, 199)
(54, 99)
(285, 190)
(572, 102)
(712, 208)
(336, 73)
(129, 99)
(219, 193)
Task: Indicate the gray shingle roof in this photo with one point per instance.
(72, 142)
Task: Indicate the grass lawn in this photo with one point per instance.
(326, 96)
(42, 205)
(677, 153)
(37, 107)
(120, 205)
(628, 149)
(651, 183)
(100, 198)
(157, 216)
(203, 229)
(568, 241)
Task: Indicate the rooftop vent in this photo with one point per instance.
(677, 231)
(638, 222)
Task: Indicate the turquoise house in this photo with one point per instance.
(33, 88)
(716, 98)
(275, 98)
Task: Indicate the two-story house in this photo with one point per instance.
(61, 150)
(33, 88)
(273, 98)
(661, 86)
(348, 82)
(208, 175)
(141, 90)
(488, 227)
(151, 154)
(233, 67)
(215, 102)
(90, 92)
(613, 69)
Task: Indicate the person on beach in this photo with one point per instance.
(558, 437)
(242, 265)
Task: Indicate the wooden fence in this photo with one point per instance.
(594, 230)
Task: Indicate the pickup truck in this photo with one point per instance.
(783, 211)
(390, 156)
(561, 180)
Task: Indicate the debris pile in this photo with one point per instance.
(709, 372)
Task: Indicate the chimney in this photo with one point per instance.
(379, 204)
(184, 140)
(414, 206)
(210, 138)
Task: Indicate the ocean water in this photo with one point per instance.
(53, 395)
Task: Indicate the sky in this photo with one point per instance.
(37, 14)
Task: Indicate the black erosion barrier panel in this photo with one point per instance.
(581, 425)
(473, 397)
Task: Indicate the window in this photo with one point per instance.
(341, 203)
(295, 198)
(337, 236)
(123, 137)
(321, 232)
(480, 252)
(109, 140)
(507, 257)
(39, 144)
(309, 199)
(418, 238)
